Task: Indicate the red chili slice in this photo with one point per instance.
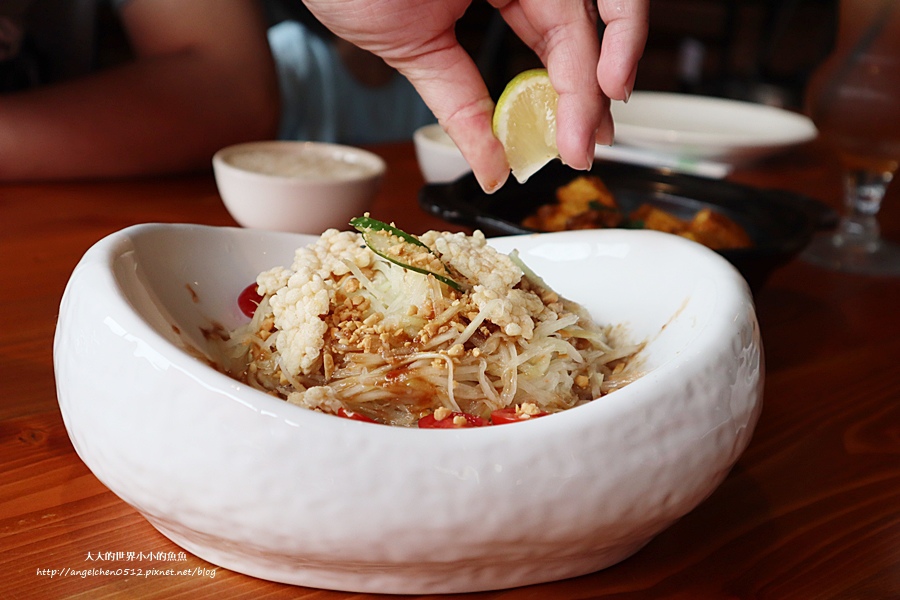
(248, 300)
(509, 415)
(429, 422)
(349, 414)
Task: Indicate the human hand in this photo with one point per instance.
(417, 38)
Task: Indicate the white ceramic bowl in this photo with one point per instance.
(256, 485)
(706, 128)
(439, 159)
(301, 187)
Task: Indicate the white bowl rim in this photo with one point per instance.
(628, 398)
(375, 165)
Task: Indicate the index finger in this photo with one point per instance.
(451, 85)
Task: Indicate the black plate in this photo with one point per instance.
(780, 223)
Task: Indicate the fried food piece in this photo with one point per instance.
(717, 231)
(657, 219)
(708, 227)
(581, 191)
(586, 203)
(596, 219)
(583, 203)
(548, 217)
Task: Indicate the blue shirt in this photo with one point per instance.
(322, 101)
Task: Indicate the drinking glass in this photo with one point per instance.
(854, 100)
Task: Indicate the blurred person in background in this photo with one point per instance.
(200, 77)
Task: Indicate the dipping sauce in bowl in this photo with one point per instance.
(303, 187)
(308, 161)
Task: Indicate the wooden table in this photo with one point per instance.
(812, 509)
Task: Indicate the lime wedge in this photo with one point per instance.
(525, 123)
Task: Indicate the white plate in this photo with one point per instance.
(705, 128)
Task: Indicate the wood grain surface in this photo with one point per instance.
(811, 510)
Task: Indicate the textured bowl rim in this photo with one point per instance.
(628, 398)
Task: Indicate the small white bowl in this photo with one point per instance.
(439, 159)
(257, 485)
(300, 187)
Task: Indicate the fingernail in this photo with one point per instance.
(629, 85)
(491, 186)
(590, 150)
(605, 132)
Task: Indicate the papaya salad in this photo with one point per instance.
(436, 331)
